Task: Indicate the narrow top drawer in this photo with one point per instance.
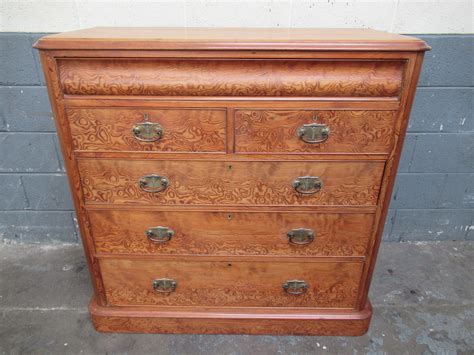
(231, 77)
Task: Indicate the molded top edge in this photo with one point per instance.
(150, 38)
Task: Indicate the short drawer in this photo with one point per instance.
(231, 77)
(155, 182)
(161, 130)
(230, 233)
(309, 131)
(231, 283)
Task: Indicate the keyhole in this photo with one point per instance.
(229, 216)
(229, 167)
(146, 116)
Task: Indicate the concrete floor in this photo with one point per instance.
(422, 294)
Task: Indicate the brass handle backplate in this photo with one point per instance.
(147, 131)
(300, 236)
(307, 185)
(153, 183)
(159, 234)
(313, 132)
(164, 285)
(295, 287)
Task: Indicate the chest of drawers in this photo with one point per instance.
(231, 181)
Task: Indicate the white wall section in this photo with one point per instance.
(402, 16)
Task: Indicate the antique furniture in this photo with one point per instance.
(231, 180)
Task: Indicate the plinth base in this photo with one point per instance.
(229, 320)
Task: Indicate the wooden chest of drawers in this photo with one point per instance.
(231, 181)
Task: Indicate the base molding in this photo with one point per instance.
(229, 321)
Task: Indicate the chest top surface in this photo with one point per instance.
(136, 38)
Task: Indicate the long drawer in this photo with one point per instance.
(154, 182)
(231, 77)
(135, 129)
(230, 233)
(232, 283)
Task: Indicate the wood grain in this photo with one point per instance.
(185, 130)
(232, 284)
(276, 157)
(283, 103)
(229, 281)
(274, 131)
(231, 233)
(64, 135)
(175, 77)
(230, 183)
(186, 38)
(176, 325)
(413, 73)
(229, 321)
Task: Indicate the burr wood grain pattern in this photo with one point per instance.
(106, 181)
(175, 77)
(222, 108)
(265, 131)
(233, 284)
(185, 130)
(230, 233)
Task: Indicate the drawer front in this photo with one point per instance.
(309, 131)
(239, 284)
(232, 233)
(165, 130)
(230, 183)
(198, 77)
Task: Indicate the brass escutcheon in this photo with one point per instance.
(159, 234)
(147, 131)
(164, 285)
(295, 287)
(300, 236)
(313, 132)
(307, 185)
(153, 183)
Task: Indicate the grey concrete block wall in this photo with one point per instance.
(433, 198)
(26, 109)
(35, 202)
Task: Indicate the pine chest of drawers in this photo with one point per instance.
(231, 180)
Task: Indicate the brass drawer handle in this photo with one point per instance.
(295, 287)
(300, 236)
(307, 185)
(153, 183)
(147, 131)
(164, 285)
(159, 234)
(313, 132)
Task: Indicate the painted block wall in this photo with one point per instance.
(434, 194)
